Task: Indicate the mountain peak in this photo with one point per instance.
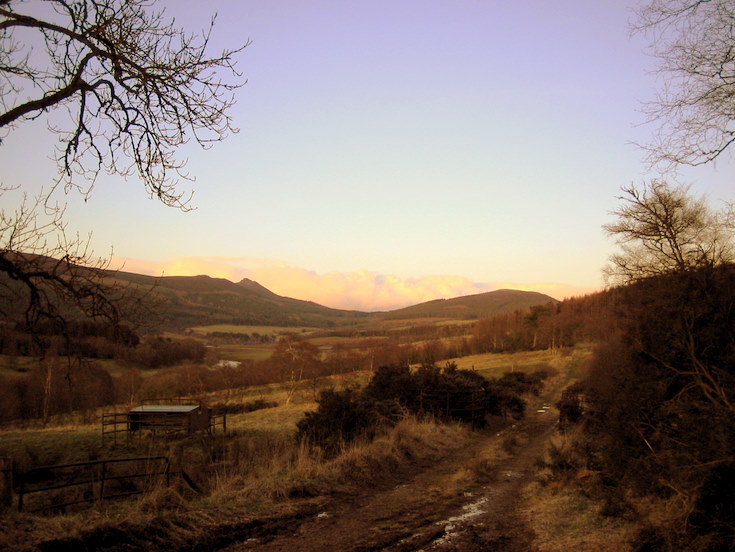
(255, 287)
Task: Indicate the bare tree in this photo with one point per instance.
(135, 87)
(694, 41)
(124, 89)
(48, 275)
(661, 229)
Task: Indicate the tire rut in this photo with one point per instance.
(428, 511)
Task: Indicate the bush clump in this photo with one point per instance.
(394, 392)
(342, 416)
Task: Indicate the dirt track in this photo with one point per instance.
(467, 502)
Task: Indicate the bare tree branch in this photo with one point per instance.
(136, 88)
(694, 41)
(48, 276)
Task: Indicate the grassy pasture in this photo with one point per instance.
(262, 330)
(250, 351)
(495, 365)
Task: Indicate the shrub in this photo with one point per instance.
(341, 417)
(396, 391)
(570, 406)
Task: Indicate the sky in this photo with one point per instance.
(395, 151)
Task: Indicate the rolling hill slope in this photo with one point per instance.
(200, 300)
(471, 307)
(180, 302)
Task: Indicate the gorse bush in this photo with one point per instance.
(395, 392)
(342, 416)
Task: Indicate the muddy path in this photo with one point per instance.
(467, 501)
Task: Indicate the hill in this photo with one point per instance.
(469, 307)
(201, 300)
(180, 302)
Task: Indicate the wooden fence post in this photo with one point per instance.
(21, 489)
(6, 482)
(103, 476)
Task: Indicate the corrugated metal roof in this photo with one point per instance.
(172, 408)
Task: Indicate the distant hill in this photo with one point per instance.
(200, 300)
(469, 307)
(185, 301)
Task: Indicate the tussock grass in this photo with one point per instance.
(567, 507)
(256, 470)
(563, 519)
(282, 468)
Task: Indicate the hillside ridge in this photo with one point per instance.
(187, 301)
(200, 300)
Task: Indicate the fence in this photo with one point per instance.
(114, 423)
(71, 484)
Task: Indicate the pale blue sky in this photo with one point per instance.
(483, 139)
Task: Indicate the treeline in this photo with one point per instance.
(97, 340)
(242, 338)
(551, 326)
(60, 385)
(75, 338)
(555, 325)
(67, 375)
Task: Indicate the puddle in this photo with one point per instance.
(471, 510)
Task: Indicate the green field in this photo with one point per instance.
(493, 365)
(262, 330)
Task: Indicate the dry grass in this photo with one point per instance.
(257, 468)
(565, 506)
(563, 519)
(494, 365)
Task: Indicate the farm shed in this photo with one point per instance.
(170, 417)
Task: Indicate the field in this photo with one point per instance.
(266, 473)
(245, 329)
(495, 365)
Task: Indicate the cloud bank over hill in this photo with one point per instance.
(359, 290)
